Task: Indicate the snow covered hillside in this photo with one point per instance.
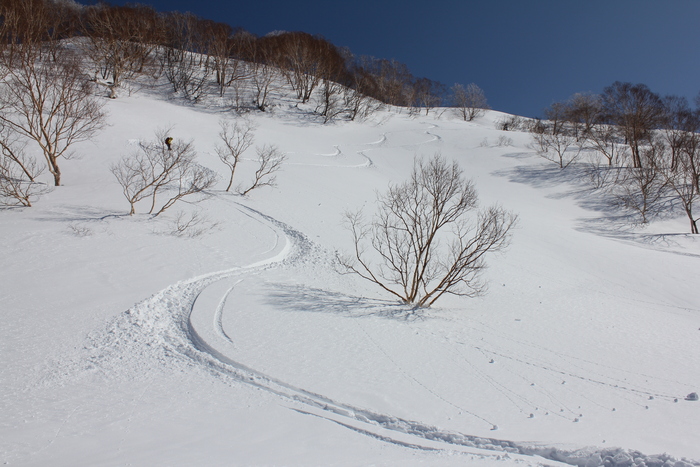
(123, 343)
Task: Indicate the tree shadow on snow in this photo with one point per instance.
(299, 298)
(78, 213)
(612, 220)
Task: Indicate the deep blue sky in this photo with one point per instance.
(524, 54)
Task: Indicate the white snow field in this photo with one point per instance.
(123, 344)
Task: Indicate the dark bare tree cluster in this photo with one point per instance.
(122, 41)
(649, 146)
(422, 243)
(195, 55)
(304, 60)
(46, 99)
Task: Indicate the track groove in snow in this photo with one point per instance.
(186, 319)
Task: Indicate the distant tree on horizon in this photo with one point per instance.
(469, 102)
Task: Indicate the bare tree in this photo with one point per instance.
(561, 148)
(270, 160)
(425, 244)
(684, 183)
(643, 190)
(331, 104)
(469, 102)
(357, 97)
(265, 78)
(237, 138)
(636, 111)
(158, 169)
(604, 139)
(680, 125)
(49, 102)
(28, 23)
(358, 105)
(556, 118)
(427, 94)
(584, 111)
(682, 172)
(18, 172)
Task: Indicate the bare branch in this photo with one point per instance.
(270, 160)
(237, 138)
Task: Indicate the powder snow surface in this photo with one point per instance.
(123, 344)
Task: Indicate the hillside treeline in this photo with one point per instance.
(54, 54)
(129, 40)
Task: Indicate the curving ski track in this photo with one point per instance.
(204, 331)
(183, 322)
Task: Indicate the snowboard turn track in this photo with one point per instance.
(185, 321)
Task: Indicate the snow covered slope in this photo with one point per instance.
(122, 344)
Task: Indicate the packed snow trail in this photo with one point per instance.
(186, 319)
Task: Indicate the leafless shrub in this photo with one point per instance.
(237, 138)
(425, 244)
(512, 123)
(191, 225)
(186, 73)
(560, 147)
(359, 105)
(270, 160)
(79, 230)
(605, 140)
(599, 176)
(157, 169)
(504, 141)
(15, 188)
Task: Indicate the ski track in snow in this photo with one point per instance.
(186, 320)
(182, 321)
(368, 163)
